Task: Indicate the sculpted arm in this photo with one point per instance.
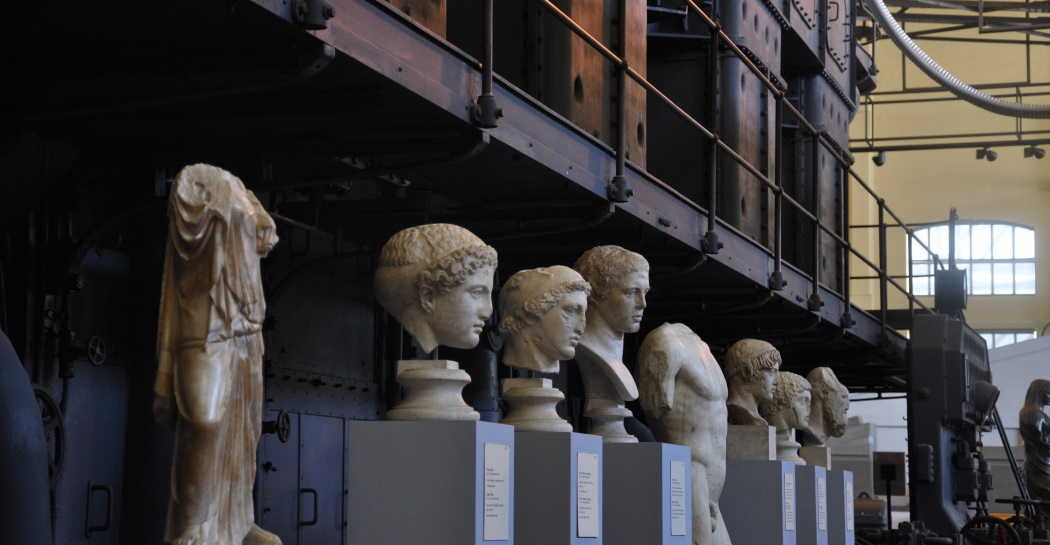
(658, 366)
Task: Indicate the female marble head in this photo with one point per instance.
(790, 405)
(542, 315)
(620, 279)
(436, 280)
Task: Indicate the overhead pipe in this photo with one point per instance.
(946, 79)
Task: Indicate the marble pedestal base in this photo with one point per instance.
(751, 443)
(532, 405)
(427, 482)
(648, 494)
(812, 505)
(558, 488)
(759, 504)
(840, 508)
(816, 456)
(607, 418)
(433, 391)
(787, 447)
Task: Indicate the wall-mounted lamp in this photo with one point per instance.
(880, 158)
(987, 154)
(1032, 151)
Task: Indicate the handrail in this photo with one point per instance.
(619, 193)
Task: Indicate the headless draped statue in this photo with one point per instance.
(209, 379)
(620, 282)
(683, 394)
(788, 411)
(1035, 430)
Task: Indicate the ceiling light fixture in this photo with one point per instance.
(1032, 151)
(987, 154)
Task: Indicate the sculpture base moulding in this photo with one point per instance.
(532, 403)
(433, 391)
(607, 418)
(440, 483)
(751, 443)
(787, 447)
(648, 494)
(816, 456)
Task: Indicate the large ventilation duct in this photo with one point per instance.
(948, 81)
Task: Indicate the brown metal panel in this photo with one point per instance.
(429, 13)
(635, 48)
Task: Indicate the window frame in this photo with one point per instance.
(988, 263)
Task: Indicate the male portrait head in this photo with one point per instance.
(542, 315)
(620, 282)
(830, 404)
(790, 406)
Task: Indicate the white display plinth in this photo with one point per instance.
(648, 494)
(439, 483)
(751, 443)
(812, 505)
(558, 488)
(840, 508)
(758, 495)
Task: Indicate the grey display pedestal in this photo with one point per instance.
(812, 504)
(434, 482)
(648, 494)
(840, 508)
(758, 502)
(558, 488)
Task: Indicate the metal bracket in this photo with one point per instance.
(710, 244)
(814, 302)
(619, 190)
(847, 321)
(312, 14)
(485, 112)
(776, 281)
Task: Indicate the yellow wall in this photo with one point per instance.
(921, 186)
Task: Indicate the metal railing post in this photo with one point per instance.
(485, 111)
(776, 278)
(618, 188)
(883, 281)
(847, 320)
(814, 303)
(710, 243)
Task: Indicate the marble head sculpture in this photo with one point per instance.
(1035, 430)
(542, 316)
(752, 373)
(209, 384)
(829, 408)
(620, 282)
(436, 280)
(790, 406)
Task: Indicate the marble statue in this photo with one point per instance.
(788, 411)
(829, 408)
(751, 370)
(209, 383)
(436, 280)
(1035, 430)
(542, 316)
(620, 281)
(683, 394)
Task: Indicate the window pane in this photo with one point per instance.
(1003, 339)
(1024, 239)
(982, 242)
(1024, 277)
(939, 241)
(1025, 336)
(1003, 241)
(989, 339)
(920, 283)
(1003, 278)
(962, 242)
(982, 278)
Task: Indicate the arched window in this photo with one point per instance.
(999, 258)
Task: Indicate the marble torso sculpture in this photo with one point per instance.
(1035, 430)
(620, 281)
(542, 316)
(209, 378)
(683, 394)
(752, 373)
(788, 411)
(829, 407)
(436, 280)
